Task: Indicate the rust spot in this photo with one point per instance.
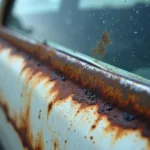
(50, 106)
(91, 137)
(93, 127)
(96, 122)
(77, 113)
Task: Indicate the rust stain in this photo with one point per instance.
(117, 132)
(60, 85)
(56, 144)
(50, 106)
(39, 142)
(94, 126)
(29, 83)
(78, 111)
(23, 127)
(22, 131)
(23, 136)
(91, 137)
(100, 49)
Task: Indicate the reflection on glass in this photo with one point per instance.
(114, 31)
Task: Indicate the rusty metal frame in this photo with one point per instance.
(128, 94)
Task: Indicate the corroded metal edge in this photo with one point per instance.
(126, 93)
(98, 64)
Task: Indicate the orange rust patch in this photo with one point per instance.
(100, 49)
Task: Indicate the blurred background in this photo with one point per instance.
(79, 25)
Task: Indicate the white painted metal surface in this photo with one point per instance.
(28, 97)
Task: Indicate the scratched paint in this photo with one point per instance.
(65, 113)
